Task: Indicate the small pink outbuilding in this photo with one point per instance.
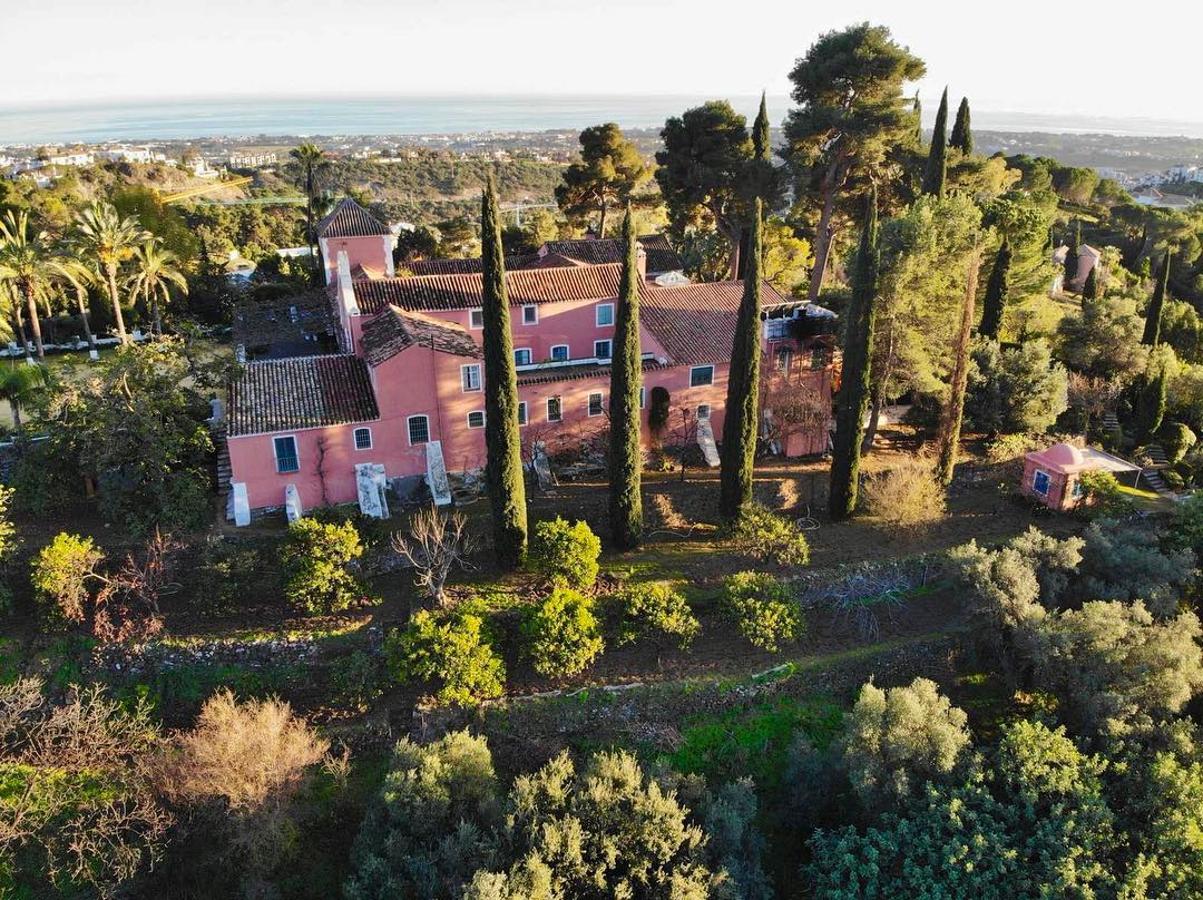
(1053, 476)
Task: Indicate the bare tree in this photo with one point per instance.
(1092, 395)
(436, 543)
(795, 407)
(127, 605)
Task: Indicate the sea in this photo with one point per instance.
(243, 117)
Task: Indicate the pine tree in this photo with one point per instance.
(1090, 287)
(962, 134)
(995, 301)
(853, 398)
(950, 426)
(1152, 333)
(743, 385)
(626, 455)
(937, 156)
(507, 491)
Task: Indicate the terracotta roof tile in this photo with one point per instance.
(349, 219)
(464, 291)
(303, 392)
(461, 266)
(696, 322)
(394, 330)
(660, 255)
(574, 373)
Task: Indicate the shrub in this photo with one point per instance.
(358, 679)
(254, 757)
(565, 552)
(60, 575)
(317, 558)
(1102, 496)
(657, 612)
(452, 649)
(764, 534)
(9, 541)
(1125, 562)
(1176, 439)
(563, 633)
(900, 738)
(907, 495)
(763, 608)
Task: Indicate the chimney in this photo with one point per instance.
(347, 306)
(641, 260)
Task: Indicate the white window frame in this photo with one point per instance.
(472, 413)
(609, 355)
(601, 403)
(355, 438)
(597, 315)
(463, 381)
(409, 433)
(1048, 482)
(296, 448)
(567, 353)
(530, 356)
(522, 416)
(693, 369)
(559, 402)
(472, 313)
(532, 308)
(783, 359)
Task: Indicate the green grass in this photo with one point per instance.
(753, 741)
(1146, 499)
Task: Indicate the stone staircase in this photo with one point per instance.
(1110, 420)
(222, 470)
(1152, 476)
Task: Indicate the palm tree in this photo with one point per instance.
(12, 308)
(109, 238)
(155, 271)
(80, 277)
(28, 262)
(19, 384)
(312, 160)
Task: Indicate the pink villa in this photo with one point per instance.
(402, 399)
(1052, 476)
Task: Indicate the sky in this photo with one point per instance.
(1023, 56)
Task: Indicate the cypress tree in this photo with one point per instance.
(626, 456)
(507, 490)
(937, 156)
(762, 146)
(1152, 333)
(852, 401)
(1071, 257)
(950, 426)
(962, 134)
(995, 301)
(743, 386)
(917, 110)
(1090, 287)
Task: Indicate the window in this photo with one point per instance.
(700, 376)
(595, 404)
(820, 357)
(1040, 483)
(642, 397)
(521, 412)
(530, 315)
(601, 349)
(554, 413)
(783, 358)
(286, 454)
(476, 318)
(363, 439)
(476, 418)
(605, 314)
(559, 353)
(522, 356)
(419, 430)
(704, 412)
(1078, 491)
(471, 377)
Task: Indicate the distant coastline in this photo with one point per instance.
(244, 117)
